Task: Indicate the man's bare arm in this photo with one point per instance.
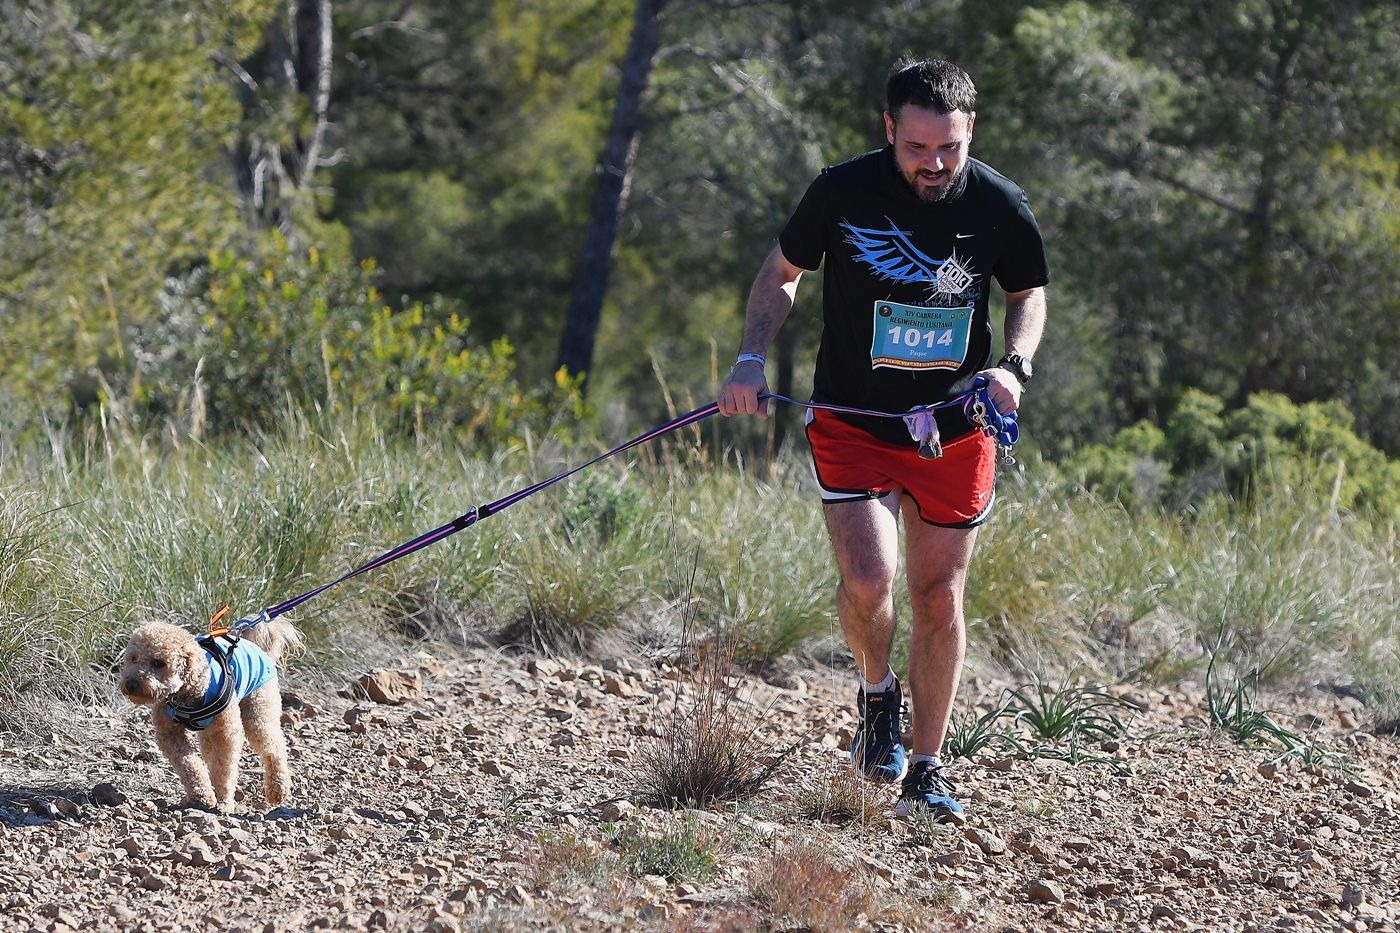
(1025, 321)
(770, 301)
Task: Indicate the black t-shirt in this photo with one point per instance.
(906, 283)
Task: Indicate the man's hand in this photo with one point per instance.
(1003, 388)
(739, 395)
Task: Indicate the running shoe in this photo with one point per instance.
(926, 788)
(876, 749)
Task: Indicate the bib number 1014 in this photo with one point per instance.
(914, 337)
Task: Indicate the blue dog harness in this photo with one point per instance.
(235, 672)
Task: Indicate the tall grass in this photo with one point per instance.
(100, 531)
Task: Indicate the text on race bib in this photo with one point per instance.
(913, 337)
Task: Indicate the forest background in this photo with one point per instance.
(436, 216)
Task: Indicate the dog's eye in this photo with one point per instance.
(158, 664)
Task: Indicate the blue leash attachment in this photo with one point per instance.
(976, 403)
(980, 410)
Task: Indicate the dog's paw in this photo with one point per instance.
(198, 803)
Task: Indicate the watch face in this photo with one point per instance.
(1019, 366)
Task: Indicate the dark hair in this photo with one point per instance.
(929, 82)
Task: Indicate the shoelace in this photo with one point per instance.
(932, 780)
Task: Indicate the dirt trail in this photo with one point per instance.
(503, 797)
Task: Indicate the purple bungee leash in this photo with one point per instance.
(975, 402)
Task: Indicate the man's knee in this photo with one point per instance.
(941, 596)
(868, 588)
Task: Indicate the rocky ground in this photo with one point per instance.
(501, 793)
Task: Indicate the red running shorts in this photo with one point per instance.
(956, 490)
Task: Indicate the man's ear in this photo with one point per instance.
(971, 119)
(889, 127)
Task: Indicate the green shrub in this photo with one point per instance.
(247, 336)
(1311, 450)
(601, 506)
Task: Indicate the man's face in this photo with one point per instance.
(930, 148)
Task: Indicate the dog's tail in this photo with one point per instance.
(278, 637)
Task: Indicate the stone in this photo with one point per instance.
(107, 795)
(989, 843)
(615, 811)
(391, 688)
(1045, 891)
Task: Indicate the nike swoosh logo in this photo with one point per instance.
(962, 236)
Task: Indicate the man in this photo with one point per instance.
(910, 235)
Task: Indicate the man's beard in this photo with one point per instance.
(931, 195)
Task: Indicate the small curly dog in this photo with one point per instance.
(221, 687)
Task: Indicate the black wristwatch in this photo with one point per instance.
(1018, 365)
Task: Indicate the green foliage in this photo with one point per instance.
(118, 121)
(1231, 710)
(680, 852)
(247, 336)
(1069, 713)
(1270, 443)
(36, 632)
(970, 735)
(600, 507)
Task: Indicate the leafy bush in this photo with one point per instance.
(599, 504)
(246, 336)
(1310, 449)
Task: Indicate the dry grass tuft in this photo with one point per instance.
(710, 749)
(840, 797)
(803, 887)
(564, 862)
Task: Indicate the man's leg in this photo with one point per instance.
(865, 537)
(937, 560)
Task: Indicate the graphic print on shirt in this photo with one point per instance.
(932, 334)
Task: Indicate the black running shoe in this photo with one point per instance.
(927, 789)
(876, 750)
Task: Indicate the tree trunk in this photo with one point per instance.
(1263, 303)
(610, 200)
(295, 60)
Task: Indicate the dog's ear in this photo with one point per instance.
(194, 664)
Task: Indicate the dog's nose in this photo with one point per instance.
(131, 686)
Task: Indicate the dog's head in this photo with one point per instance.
(161, 661)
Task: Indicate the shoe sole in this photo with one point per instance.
(904, 811)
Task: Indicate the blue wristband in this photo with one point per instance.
(758, 358)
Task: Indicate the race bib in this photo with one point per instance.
(911, 337)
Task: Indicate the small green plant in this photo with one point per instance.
(601, 507)
(1068, 713)
(572, 594)
(968, 735)
(1231, 710)
(681, 852)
